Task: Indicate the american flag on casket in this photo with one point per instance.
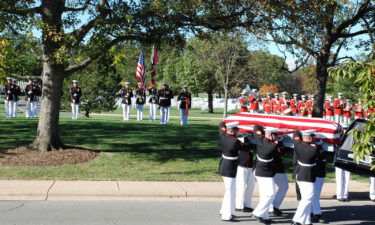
(327, 131)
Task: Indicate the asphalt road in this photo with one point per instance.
(175, 212)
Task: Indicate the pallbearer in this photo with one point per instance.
(31, 93)
(230, 146)
(338, 105)
(267, 104)
(265, 171)
(126, 94)
(342, 179)
(75, 96)
(306, 153)
(8, 100)
(318, 185)
(140, 101)
(164, 98)
(153, 92)
(294, 105)
(243, 102)
(185, 104)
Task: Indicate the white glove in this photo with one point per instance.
(75, 95)
(8, 92)
(30, 92)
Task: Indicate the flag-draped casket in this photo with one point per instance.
(327, 131)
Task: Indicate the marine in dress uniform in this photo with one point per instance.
(275, 104)
(310, 106)
(267, 104)
(328, 108)
(126, 93)
(75, 96)
(294, 104)
(347, 111)
(281, 181)
(302, 106)
(16, 92)
(266, 148)
(342, 179)
(31, 93)
(185, 104)
(306, 154)
(153, 100)
(8, 100)
(140, 100)
(359, 112)
(284, 102)
(243, 102)
(230, 146)
(253, 100)
(245, 179)
(339, 105)
(164, 98)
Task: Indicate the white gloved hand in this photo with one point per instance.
(75, 95)
(30, 92)
(8, 92)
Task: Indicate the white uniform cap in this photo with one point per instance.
(284, 93)
(165, 84)
(295, 94)
(75, 81)
(127, 82)
(312, 96)
(270, 130)
(14, 79)
(303, 96)
(244, 92)
(254, 90)
(276, 93)
(268, 93)
(9, 78)
(347, 100)
(185, 86)
(329, 96)
(308, 132)
(345, 125)
(339, 94)
(231, 125)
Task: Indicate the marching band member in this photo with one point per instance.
(369, 111)
(253, 99)
(245, 180)
(153, 100)
(185, 104)
(275, 104)
(302, 106)
(75, 96)
(338, 105)
(310, 106)
(265, 171)
(267, 104)
(126, 93)
(284, 102)
(342, 179)
(318, 185)
(347, 111)
(306, 153)
(328, 108)
(230, 146)
(140, 96)
(243, 102)
(294, 104)
(358, 110)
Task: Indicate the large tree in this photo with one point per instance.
(94, 26)
(315, 29)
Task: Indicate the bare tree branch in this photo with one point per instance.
(7, 71)
(22, 12)
(355, 33)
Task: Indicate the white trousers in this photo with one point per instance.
(281, 181)
(372, 188)
(245, 182)
(227, 206)
(184, 117)
(303, 212)
(125, 111)
(338, 118)
(266, 196)
(329, 118)
(31, 109)
(318, 185)
(347, 119)
(164, 114)
(169, 113)
(140, 112)
(254, 111)
(342, 183)
(153, 111)
(8, 108)
(75, 111)
(13, 108)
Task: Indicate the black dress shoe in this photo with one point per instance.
(277, 212)
(317, 218)
(248, 209)
(261, 220)
(295, 223)
(230, 220)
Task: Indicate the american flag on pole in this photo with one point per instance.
(154, 62)
(141, 71)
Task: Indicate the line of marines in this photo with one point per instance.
(244, 163)
(339, 110)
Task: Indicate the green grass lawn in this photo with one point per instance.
(129, 150)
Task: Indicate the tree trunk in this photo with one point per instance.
(210, 101)
(225, 103)
(322, 76)
(87, 112)
(48, 134)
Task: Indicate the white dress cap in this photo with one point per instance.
(270, 130)
(308, 132)
(231, 125)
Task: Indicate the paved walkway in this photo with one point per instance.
(122, 190)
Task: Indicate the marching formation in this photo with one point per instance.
(339, 110)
